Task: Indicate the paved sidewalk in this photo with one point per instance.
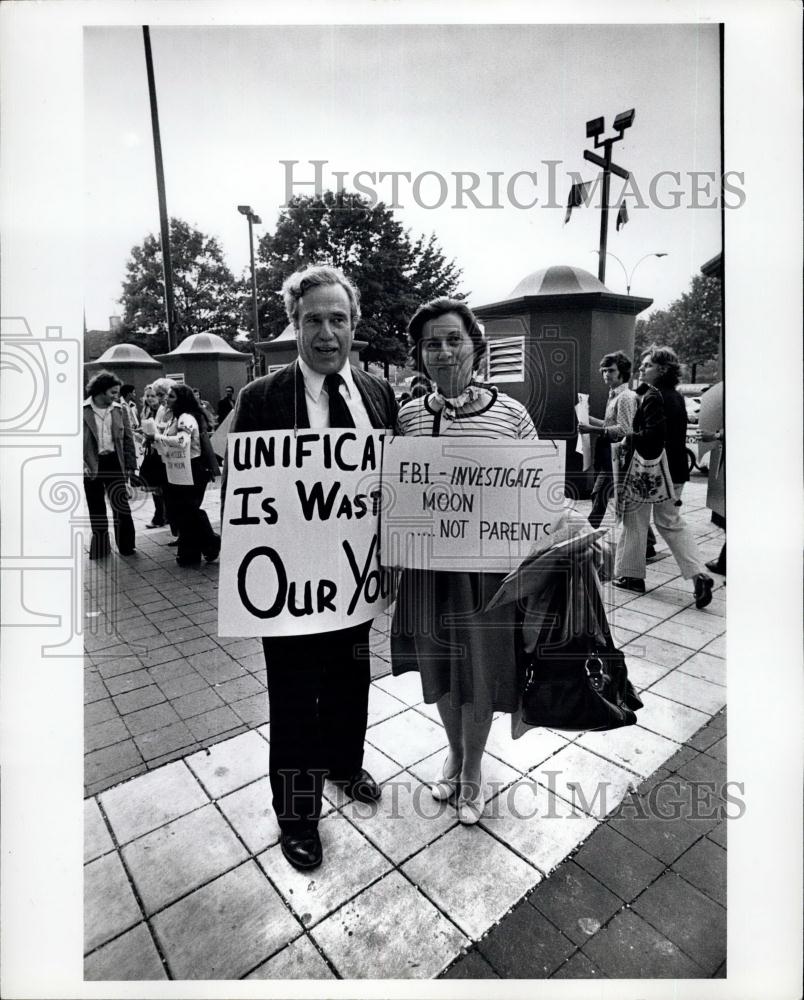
(184, 876)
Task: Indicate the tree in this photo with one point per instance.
(393, 273)
(205, 292)
(690, 325)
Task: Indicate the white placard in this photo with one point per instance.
(468, 504)
(177, 463)
(300, 544)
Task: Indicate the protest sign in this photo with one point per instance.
(300, 548)
(468, 504)
(177, 463)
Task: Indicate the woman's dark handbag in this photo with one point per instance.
(575, 678)
(210, 459)
(152, 474)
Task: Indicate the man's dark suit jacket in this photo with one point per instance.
(277, 402)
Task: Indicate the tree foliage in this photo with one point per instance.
(394, 273)
(205, 292)
(690, 325)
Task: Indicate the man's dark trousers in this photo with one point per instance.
(112, 481)
(322, 684)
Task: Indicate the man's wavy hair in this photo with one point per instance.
(314, 276)
(667, 357)
(622, 361)
(101, 382)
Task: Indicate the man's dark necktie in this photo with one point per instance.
(339, 413)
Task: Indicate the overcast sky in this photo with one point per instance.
(234, 102)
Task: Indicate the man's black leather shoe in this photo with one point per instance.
(361, 786)
(630, 583)
(302, 850)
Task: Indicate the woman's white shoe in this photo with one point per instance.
(445, 787)
(470, 809)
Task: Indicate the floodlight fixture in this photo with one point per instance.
(244, 209)
(594, 128)
(624, 120)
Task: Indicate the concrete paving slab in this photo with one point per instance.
(618, 863)
(537, 824)
(152, 801)
(471, 876)
(300, 960)
(130, 957)
(687, 918)
(382, 705)
(526, 752)
(175, 859)
(643, 673)
(707, 667)
(405, 820)
(704, 866)
(390, 931)
(669, 718)
(232, 764)
(226, 928)
(406, 687)
(691, 691)
(350, 864)
(650, 647)
(584, 779)
(110, 906)
(682, 635)
(629, 948)
(632, 747)
(97, 839)
(407, 737)
(575, 902)
(526, 946)
(250, 813)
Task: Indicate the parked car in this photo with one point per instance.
(692, 392)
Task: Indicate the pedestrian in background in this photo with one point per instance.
(196, 537)
(660, 424)
(152, 468)
(109, 459)
(226, 405)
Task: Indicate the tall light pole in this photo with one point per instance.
(630, 277)
(252, 219)
(594, 129)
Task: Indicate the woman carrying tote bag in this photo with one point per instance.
(660, 426)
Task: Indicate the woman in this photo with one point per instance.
(196, 537)
(660, 423)
(467, 659)
(152, 468)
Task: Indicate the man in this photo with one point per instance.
(128, 393)
(109, 458)
(226, 405)
(317, 684)
(620, 408)
(660, 424)
(206, 409)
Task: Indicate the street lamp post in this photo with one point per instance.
(630, 277)
(594, 130)
(252, 219)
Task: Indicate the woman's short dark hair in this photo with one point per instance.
(665, 356)
(440, 307)
(187, 403)
(622, 361)
(102, 382)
